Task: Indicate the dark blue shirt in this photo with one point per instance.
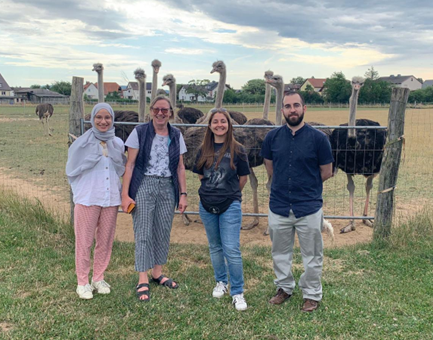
(296, 181)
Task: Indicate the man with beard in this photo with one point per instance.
(299, 159)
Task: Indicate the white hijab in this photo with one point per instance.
(85, 152)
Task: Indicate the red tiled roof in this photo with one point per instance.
(316, 82)
(109, 87)
(86, 85)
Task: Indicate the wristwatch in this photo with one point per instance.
(183, 193)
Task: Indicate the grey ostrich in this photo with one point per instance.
(268, 93)
(252, 139)
(220, 68)
(186, 115)
(358, 153)
(140, 76)
(44, 112)
(156, 65)
(99, 69)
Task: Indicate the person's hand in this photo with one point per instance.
(126, 201)
(183, 203)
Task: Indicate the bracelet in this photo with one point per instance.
(183, 193)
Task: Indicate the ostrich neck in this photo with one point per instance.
(267, 101)
(100, 88)
(154, 85)
(279, 104)
(352, 113)
(220, 90)
(141, 100)
(172, 89)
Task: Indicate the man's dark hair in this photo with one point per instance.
(291, 93)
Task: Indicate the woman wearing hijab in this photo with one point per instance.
(96, 161)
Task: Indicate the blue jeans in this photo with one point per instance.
(223, 233)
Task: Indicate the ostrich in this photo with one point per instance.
(358, 153)
(268, 75)
(99, 69)
(140, 76)
(156, 64)
(187, 115)
(220, 68)
(44, 112)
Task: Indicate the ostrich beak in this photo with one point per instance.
(213, 70)
(164, 83)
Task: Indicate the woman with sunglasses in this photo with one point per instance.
(222, 166)
(155, 182)
(96, 161)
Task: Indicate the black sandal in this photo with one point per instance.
(143, 292)
(168, 283)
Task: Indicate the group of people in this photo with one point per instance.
(297, 156)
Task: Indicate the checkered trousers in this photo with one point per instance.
(153, 218)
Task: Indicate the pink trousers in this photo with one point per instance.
(91, 223)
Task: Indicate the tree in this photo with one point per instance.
(112, 96)
(230, 97)
(35, 86)
(297, 80)
(255, 87)
(371, 74)
(198, 88)
(337, 88)
(62, 87)
(375, 91)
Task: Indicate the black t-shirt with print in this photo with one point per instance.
(223, 182)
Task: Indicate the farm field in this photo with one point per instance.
(32, 164)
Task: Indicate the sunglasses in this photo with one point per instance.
(221, 109)
(155, 110)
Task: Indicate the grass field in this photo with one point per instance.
(371, 291)
(38, 161)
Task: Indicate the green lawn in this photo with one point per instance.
(372, 291)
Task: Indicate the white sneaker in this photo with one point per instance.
(85, 292)
(101, 287)
(239, 302)
(219, 290)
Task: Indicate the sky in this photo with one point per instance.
(52, 40)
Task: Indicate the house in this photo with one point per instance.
(6, 92)
(131, 91)
(315, 83)
(210, 88)
(91, 90)
(427, 83)
(409, 82)
(109, 87)
(40, 96)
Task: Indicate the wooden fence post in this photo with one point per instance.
(390, 163)
(76, 112)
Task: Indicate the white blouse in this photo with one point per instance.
(100, 185)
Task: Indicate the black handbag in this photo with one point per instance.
(214, 207)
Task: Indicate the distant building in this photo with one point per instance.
(131, 91)
(6, 92)
(37, 96)
(91, 90)
(409, 82)
(315, 83)
(427, 83)
(210, 88)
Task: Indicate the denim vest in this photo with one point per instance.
(146, 134)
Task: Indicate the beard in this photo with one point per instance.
(295, 120)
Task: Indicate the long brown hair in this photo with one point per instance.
(207, 148)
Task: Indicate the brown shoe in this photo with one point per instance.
(280, 297)
(310, 305)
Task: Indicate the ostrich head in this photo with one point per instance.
(218, 66)
(168, 79)
(268, 74)
(139, 74)
(156, 64)
(357, 83)
(98, 67)
(275, 81)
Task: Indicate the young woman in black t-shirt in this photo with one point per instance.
(222, 166)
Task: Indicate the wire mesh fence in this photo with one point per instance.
(32, 164)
